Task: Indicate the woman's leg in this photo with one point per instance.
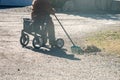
(51, 32)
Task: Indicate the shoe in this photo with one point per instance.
(53, 46)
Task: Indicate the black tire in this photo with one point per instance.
(24, 40)
(59, 43)
(37, 42)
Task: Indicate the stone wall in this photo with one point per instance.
(84, 4)
(91, 5)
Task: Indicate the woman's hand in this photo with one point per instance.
(53, 11)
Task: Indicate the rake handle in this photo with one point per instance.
(64, 30)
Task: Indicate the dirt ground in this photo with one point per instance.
(17, 63)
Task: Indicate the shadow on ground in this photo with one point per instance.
(97, 15)
(61, 53)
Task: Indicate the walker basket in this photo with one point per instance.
(27, 24)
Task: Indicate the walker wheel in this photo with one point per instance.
(24, 40)
(37, 42)
(59, 43)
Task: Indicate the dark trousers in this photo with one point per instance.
(45, 27)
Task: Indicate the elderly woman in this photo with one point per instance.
(41, 13)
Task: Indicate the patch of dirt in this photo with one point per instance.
(91, 48)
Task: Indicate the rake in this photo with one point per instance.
(74, 48)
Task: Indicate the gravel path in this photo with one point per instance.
(17, 63)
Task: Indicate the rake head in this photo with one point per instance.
(76, 49)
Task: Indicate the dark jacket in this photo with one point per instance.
(41, 8)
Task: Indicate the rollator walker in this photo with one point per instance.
(39, 40)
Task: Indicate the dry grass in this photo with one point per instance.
(108, 41)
